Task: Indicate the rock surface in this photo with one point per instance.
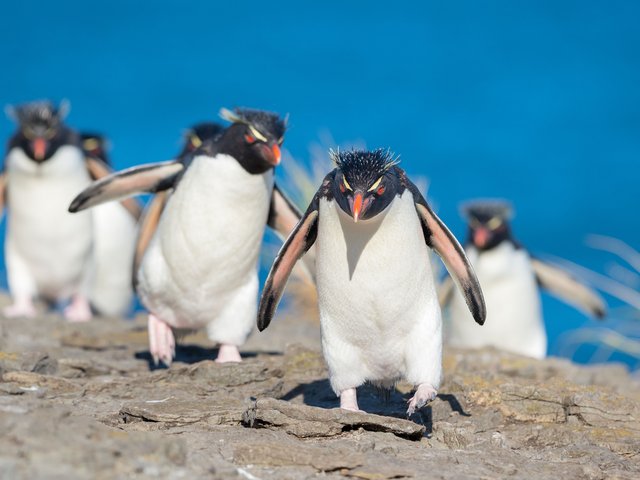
(83, 401)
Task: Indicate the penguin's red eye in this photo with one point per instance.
(342, 188)
(380, 190)
(249, 138)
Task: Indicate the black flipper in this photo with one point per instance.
(442, 241)
(150, 178)
(564, 286)
(283, 217)
(301, 239)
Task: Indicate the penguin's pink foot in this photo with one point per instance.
(424, 394)
(228, 353)
(22, 307)
(349, 400)
(78, 310)
(162, 343)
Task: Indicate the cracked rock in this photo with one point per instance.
(304, 421)
(172, 413)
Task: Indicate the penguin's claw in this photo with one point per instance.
(78, 310)
(228, 354)
(162, 343)
(424, 394)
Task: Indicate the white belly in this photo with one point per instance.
(201, 266)
(52, 244)
(378, 308)
(514, 320)
(111, 290)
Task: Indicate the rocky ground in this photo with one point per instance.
(82, 401)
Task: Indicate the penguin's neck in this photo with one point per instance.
(495, 262)
(67, 161)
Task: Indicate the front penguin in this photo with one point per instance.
(379, 312)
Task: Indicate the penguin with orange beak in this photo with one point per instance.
(49, 253)
(197, 261)
(511, 279)
(379, 314)
(41, 129)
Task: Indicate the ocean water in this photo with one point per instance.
(537, 102)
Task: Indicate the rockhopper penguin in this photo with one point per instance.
(379, 313)
(49, 253)
(199, 268)
(510, 279)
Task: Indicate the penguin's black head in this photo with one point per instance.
(198, 134)
(95, 145)
(488, 222)
(365, 182)
(41, 130)
(254, 138)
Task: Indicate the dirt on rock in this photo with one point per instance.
(84, 401)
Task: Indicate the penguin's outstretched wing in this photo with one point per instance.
(564, 286)
(99, 169)
(148, 226)
(150, 178)
(283, 217)
(442, 241)
(301, 239)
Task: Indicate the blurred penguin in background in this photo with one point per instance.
(510, 277)
(115, 232)
(48, 252)
(197, 254)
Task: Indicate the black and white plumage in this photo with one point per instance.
(198, 253)
(379, 314)
(510, 279)
(49, 253)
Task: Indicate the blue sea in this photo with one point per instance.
(534, 101)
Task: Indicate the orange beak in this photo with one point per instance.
(39, 148)
(481, 237)
(357, 206)
(275, 149)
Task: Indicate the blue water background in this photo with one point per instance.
(535, 101)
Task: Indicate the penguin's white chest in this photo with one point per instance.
(207, 245)
(376, 292)
(514, 320)
(52, 243)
